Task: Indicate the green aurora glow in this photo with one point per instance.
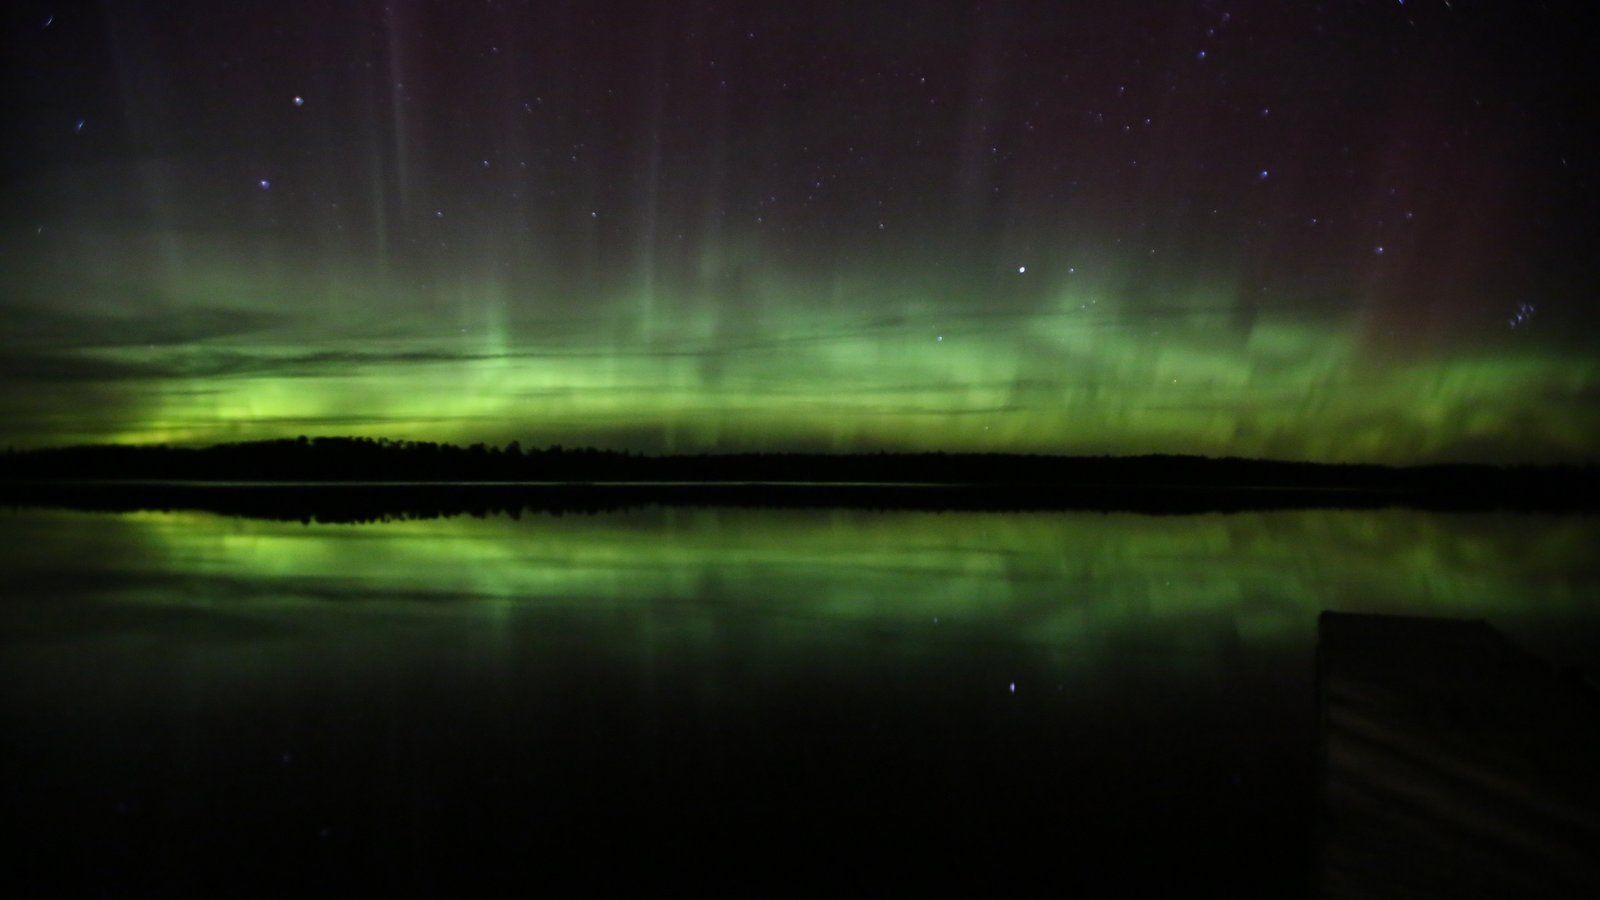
(742, 249)
(1076, 371)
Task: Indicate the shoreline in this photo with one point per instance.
(369, 500)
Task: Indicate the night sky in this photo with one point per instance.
(1340, 231)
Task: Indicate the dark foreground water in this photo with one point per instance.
(772, 701)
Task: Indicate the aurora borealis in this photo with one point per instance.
(1355, 231)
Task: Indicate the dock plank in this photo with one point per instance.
(1453, 764)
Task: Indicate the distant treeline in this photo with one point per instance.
(376, 460)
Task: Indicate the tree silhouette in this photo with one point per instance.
(1055, 479)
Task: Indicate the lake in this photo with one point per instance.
(770, 701)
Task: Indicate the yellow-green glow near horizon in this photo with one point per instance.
(1078, 373)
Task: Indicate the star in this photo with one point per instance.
(264, 184)
(299, 100)
(1022, 270)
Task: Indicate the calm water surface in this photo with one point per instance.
(785, 700)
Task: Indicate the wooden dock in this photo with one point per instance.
(1453, 764)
